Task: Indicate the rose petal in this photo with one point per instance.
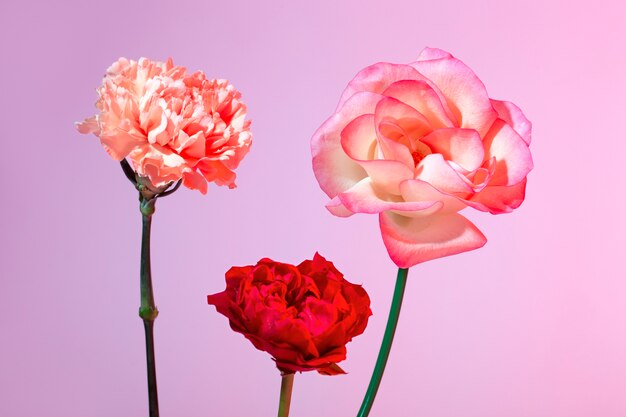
(410, 241)
(433, 53)
(336, 207)
(513, 116)
(513, 159)
(418, 190)
(423, 98)
(412, 122)
(434, 170)
(462, 146)
(499, 199)
(362, 198)
(464, 92)
(334, 170)
(376, 78)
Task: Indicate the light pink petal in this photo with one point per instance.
(513, 115)
(411, 241)
(412, 122)
(465, 94)
(513, 159)
(358, 138)
(89, 125)
(119, 144)
(417, 190)
(363, 198)
(434, 170)
(395, 151)
(376, 78)
(433, 53)
(387, 175)
(499, 199)
(334, 170)
(423, 98)
(336, 208)
(463, 146)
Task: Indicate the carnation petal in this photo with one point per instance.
(411, 241)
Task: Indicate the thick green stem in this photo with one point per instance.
(385, 347)
(147, 310)
(286, 387)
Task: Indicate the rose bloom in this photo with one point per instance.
(301, 315)
(171, 124)
(416, 144)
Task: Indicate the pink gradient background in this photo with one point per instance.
(532, 325)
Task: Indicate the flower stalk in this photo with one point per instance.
(286, 388)
(385, 347)
(147, 310)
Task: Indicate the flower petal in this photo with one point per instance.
(462, 146)
(499, 199)
(418, 190)
(513, 115)
(376, 78)
(363, 198)
(334, 170)
(434, 170)
(464, 92)
(433, 53)
(411, 241)
(423, 98)
(412, 122)
(513, 159)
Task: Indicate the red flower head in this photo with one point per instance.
(303, 316)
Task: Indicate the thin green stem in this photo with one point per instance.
(147, 310)
(286, 387)
(385, 347)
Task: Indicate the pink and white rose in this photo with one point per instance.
(416, 144)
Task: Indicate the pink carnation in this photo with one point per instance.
(171, 124)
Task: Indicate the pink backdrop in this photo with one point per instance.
(532, 325)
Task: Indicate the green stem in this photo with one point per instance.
(385, 347)
(147, 310)
(286, 387)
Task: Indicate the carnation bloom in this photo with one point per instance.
(416, 144)
(301, 315)
(170, 124)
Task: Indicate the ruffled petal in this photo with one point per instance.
(411, 241)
